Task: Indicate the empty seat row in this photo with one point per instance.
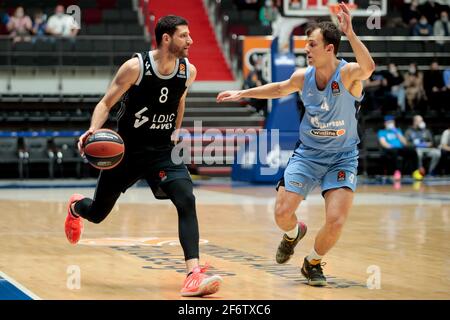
(23, 153)
(81, 45)
(44, 116)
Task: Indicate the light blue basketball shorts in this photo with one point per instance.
(308, 167)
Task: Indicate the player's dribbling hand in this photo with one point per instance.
(232, 95)
(345, 19)
(83, 139)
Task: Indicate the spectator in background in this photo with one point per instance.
(395, 148)
(431, 10)
(39, 24)
(435, 88)
(410, 13)
(422, 28)
(447, 78)
(4, 18)
(395, 82)
(445, 150)
(422, 139)
(268, 13)
(61, 24)
(441, 28)
(374, 89)
(253, 81)
(415, 92)
(19, 26)
(378, 90)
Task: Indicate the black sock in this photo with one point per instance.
(71, 211)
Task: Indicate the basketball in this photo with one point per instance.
(104, 149)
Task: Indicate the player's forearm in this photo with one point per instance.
(361, 53)
(179, 120)
(100, 115)
(268, 91)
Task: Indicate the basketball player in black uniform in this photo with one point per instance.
(153, 86)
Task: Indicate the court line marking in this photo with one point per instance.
(19, 286)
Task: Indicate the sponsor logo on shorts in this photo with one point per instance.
(341, 176)
(351, 177)
(335, 88)
(162, 175)
(327, 133)
(296, 184)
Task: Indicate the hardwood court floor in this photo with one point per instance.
(403, 236)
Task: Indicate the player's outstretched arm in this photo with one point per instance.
(364, 67)
(126, 76)
(269, 91)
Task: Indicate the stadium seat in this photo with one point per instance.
(66, 153)
(116, 29)
(38, 116)
(86, 4)
(97, 29)
(124, 4)
(38, 152)
(121, 46)
(128, 16)
(9, 153)
(106, 4)
(134, 30)
(111, 16)
(92, 15)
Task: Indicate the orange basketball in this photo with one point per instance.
(104, 149)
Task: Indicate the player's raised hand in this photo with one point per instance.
(231, 95)
(345, 19)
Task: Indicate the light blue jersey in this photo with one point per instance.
(327, 153)
(329, 122)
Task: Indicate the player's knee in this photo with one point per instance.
(283, 212)
(186, 200)
(97, 218)
(336, 222)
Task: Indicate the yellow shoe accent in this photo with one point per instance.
(417, 175)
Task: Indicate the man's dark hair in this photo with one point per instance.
(168, 24)
(330, 33)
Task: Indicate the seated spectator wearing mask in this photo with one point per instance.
(441, 28)
(422, 28)
(395, 147)
(61, 24)
(422, 139)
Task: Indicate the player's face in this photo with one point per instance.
(317, 53)
(180, 42)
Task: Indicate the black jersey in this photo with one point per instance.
(149, 109)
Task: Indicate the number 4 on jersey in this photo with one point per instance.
(325, 105)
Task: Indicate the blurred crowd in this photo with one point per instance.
(407, 153)
(21, 27)
(414, 90)
(429, 18)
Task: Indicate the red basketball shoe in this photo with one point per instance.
(198, 284)
(73, 225)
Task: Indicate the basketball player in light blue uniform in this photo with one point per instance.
(327, 153)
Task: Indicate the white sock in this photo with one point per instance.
(314, 256)
(292, 234)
